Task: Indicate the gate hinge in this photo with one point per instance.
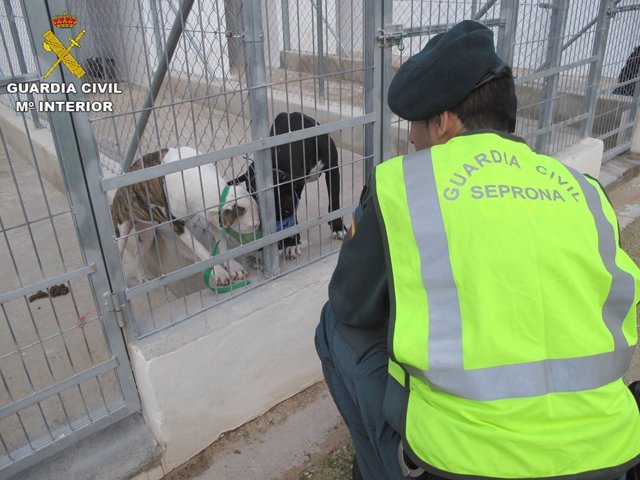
(112, 304)
(391, 35)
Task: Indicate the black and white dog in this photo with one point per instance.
(293, 165)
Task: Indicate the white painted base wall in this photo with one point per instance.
(232, 363)
(584, 156)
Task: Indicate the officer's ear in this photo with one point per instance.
(444, 126)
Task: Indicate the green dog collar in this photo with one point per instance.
(241, 237)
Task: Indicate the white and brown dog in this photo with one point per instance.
(176, 197)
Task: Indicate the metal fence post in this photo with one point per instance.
(234, 26)
(385, 74)
(286, 33)
(377, 137)
(507, 34)
(595, 68)
(320, 34)
(372, 21)
(633, 110)
(259, 110)
(11, 19)
(554, 54)
(157, 38)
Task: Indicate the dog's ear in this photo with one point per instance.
(248, 178)
(238, 180)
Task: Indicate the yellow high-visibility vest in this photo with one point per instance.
(513, 312)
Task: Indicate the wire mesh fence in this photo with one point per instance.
(210, 100)
(566, 55)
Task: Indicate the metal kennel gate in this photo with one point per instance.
(64, 369)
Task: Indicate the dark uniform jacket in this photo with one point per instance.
(358, 291)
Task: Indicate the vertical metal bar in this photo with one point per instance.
(148, 69)
(385, 74)
(335, 34)
(11, 19)
(550, 87)
(342, 34)
(372, 21)
(633, 112)
(225, 87)
(207, 78)
(507, 34)
(595, 68)
(376, 84)
(258, 107)
(156, 81)
(233, 25)
(286, 33)
(321, 79)
(157, 41)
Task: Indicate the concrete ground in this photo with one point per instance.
(305, 438)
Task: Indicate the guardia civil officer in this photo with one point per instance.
(481, 314)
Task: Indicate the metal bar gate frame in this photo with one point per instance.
(79, 161)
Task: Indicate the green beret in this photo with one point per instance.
(447, 69)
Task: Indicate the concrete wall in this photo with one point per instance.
(13, 131)
(584, 156)
(232, 363)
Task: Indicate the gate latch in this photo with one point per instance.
(391, 35)
(112, 304)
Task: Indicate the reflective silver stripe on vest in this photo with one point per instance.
(621, 295)
(446, 370)
(445, 324)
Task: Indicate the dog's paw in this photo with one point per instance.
(292, 252)
(236, 271)
(219, 276)
(340, 234)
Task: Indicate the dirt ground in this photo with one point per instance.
(333, 463)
